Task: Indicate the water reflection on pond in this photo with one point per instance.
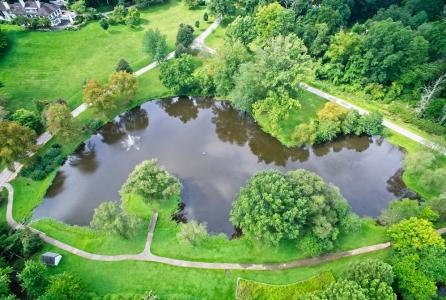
(213, 150)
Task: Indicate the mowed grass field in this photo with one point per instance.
(53, 65)
(169, 282)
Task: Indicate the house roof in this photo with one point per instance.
(45, 9)
(50, 254)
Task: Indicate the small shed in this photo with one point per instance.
(51, 258)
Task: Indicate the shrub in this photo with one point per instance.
(151, 182)
(192, 232)
(180, 50)
(372, 123)
(185, 35)
(367, 270)
(44, 164)
(326, 131)
(28, 119)
(399, 210)
(34, 278)
(110, 218)
(104, 24)
(414, 234)
(205, 17)
(123, 65)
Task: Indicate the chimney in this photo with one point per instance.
(22, 3)
(38, 3)
(6, 4)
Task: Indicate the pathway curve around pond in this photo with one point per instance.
(146, 254)
(6, 176)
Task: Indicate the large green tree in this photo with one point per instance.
(15, 142)
(273, 20)
(65, 286)
(226, 65)
(155, 44)
(110, 218)
(221, 8)
(34, 278)
(267, 208)
(242, 29)
(273, 206)
(61, 123)
(151, 182)
(176, 75)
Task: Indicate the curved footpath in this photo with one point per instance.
(146, 254)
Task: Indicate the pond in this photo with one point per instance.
(213, 150)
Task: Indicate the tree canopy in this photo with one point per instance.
(273, 207)
(151, 182)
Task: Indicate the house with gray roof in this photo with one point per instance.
(54, 11)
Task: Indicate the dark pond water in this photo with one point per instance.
(213, 150)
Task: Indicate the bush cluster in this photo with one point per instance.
(334, 120)
(43, 165)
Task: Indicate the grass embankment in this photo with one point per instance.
(171, 282)
(249, 289)
(93, 241)
(244, 250)
(310, 105)
(53, 65)
(216, 40)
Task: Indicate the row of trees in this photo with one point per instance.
(19, 129)
(333, 120)
(116, 94)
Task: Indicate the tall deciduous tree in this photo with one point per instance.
(185, 35)
(151, 182)
(221, 8)
(414, 234)
(15, 142)
(122, 85)
(242, 29)
(225, 66)
(61, 123)
(176, 75)
(273, 20)
(34, 278)
(65, 286)
(267, 208)
(110, 218)
(155, 44)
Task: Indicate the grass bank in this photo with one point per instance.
(171, 282)
(53, 65)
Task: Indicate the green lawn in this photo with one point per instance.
(52, 65)
(220, 249)
(93, 241)
(183, 283)
(217, 38)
